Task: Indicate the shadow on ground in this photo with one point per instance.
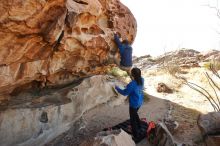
(93, 121)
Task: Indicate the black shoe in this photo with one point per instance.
(137, 138)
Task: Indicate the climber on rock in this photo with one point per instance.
(125, 50)
(134, 91)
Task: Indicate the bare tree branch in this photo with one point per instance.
(214, 71)
(194, 88)
(214, 83)
(209, 95)
(216, 9)
(209, 78)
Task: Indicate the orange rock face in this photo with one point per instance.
(56, 42)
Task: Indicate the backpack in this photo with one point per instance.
(151, 133)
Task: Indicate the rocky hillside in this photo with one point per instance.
(185, 58)
(49, 43)
(164, 80)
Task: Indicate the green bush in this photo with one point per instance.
(146, 97)
(207, 65)
(117, 72)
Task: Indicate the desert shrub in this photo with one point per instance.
(207, 65)
(171, 66)
(151, 60)
(173, 69)
(215, 64)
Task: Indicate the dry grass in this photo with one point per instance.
(182, 93)
(161, 75)
(211, 89)
(172, 69)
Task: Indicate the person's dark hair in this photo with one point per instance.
(136, 74)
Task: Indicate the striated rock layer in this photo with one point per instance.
(40, 120)
(54, 42)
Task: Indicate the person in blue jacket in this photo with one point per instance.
(125, 50)
(134, 90)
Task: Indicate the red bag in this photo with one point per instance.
(151, 132)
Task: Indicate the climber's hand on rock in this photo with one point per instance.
(114, 90)
(117, 88)
(115, 35)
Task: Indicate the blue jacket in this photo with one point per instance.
(125, 52)
(135, 93)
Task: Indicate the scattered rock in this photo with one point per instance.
(172, 125)
(113, 138)
(163, 135)
(162, 87)
(169, 121)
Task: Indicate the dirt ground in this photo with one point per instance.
(104, 116)
(184, 106)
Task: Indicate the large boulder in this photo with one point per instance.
(58, 41)
(209, 126)
(94, 91)
(40, 120)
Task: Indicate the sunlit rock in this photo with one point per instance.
(113, 138)
(56, 42)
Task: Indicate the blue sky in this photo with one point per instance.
(166, 25)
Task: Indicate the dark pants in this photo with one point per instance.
(135, 121)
